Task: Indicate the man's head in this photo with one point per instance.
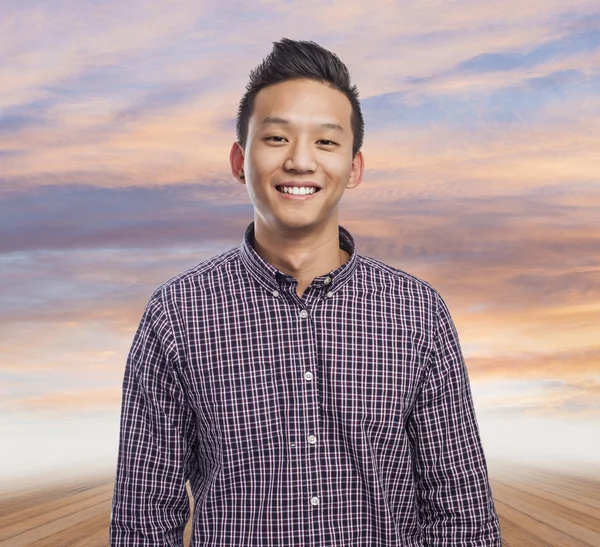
(296, 128)
(291, 60)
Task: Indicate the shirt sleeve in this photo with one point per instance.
(150, 504)
(453, 494)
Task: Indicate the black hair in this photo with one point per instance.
(292, 60)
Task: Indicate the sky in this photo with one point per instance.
(482, 177)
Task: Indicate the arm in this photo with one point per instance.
(150, 504)
(456, 508)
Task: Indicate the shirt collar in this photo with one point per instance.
(270, 277)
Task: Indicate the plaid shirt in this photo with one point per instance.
(342, 418)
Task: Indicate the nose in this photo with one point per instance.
(300, 158)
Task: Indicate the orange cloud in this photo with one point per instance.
(79, 400)
(578, 365)
(160, 128)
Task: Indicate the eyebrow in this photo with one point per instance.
(274, 120)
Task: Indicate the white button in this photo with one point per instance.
(329, 294)
(303, 314)
(327, 280)
(314, 501)
(308, 375)
(312, 439)
(275, 293)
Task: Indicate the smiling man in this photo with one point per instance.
(312, 396)
(297, 153)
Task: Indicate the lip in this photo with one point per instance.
(301, 184)
(300, 197)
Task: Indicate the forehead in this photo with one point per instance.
(302, 102)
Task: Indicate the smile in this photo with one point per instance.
(302, 190)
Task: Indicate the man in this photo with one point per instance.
(310, 395)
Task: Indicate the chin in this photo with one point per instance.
(296, 224)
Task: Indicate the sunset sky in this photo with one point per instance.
(482, 152)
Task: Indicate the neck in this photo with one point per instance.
(301, 254)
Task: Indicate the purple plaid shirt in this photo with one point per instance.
(342, 418)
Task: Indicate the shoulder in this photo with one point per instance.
(196, 278)
(404, 282)
(413, 296)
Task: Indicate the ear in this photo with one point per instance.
(358, 166)
(236, 160)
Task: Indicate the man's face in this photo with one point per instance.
(299, 133)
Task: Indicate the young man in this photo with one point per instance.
(312, 396)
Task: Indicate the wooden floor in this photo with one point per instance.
(536, 508)
(547, 509)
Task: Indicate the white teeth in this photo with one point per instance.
(298, 190)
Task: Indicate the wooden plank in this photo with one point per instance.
(550, 508)
(535, 531)
(97, 539)
(48, 511)
(585, 496)
(36, 532)
(579, 502)
(522, 537)
(80, 534)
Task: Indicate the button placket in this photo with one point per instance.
(309, 454)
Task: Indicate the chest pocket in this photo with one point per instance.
(249, 406)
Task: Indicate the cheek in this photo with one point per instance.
(339, 168)
(263, 164)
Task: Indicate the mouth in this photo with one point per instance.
(297, 190)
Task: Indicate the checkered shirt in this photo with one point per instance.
(342, 418)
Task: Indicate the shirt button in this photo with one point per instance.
(312, 439)
(314, 501)
(275, 293)
(327, 280)
(308, 375)
(329, 294)
(303, 314)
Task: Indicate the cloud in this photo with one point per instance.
(15, 122)
(581, 40)
(88, 287)
(547, 396)
(159, 139)
(81, 400)
(109, 117)
(543, 236)
(18, 118)
(580, 364)
(68, 217)
(524, 101)
(504, 262)
(482, 173)
(163, 99)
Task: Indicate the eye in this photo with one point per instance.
(326, 142)
(275, 137)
